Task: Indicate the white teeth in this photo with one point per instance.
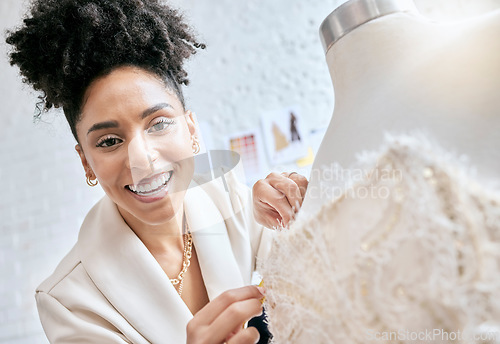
(155, 184)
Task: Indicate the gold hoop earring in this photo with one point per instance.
(91, 183)
(196, 145)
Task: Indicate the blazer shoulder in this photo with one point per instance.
(73, 257)
(63, 269)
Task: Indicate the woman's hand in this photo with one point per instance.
(222, 319)
(277, 198)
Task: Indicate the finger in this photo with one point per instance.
(213, 309)
(264, 214)
(289, 188)
(276, 200)
(250, 335)
(237, 329)
(302, 183)
(268, 216)
(266, 194)
(269, 199)
(235, 315)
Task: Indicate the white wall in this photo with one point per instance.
(42, 199)
(261, 55)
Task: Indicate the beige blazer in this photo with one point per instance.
(110, 289)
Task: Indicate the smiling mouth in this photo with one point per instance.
(152, 186)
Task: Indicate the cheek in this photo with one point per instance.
(176, 149)
(107, 169)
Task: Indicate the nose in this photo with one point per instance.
(141, 158)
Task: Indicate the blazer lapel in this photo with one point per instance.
(218, 265)
(129, 277)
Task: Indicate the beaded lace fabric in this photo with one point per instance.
(410, 247)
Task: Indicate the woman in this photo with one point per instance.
(115, 67)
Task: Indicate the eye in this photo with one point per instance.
(108, 141)
(161, 125)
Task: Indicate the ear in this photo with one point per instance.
(191, 122)
(85, 163)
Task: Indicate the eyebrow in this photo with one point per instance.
(154, 108)
(114, 124)
(103, 125)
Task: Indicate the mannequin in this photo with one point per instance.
(409, 252)
(395, 71)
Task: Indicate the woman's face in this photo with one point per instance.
(137, 140)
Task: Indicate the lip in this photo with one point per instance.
(157, 195)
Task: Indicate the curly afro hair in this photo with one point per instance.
(63, 45)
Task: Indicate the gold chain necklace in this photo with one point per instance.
(186, 261)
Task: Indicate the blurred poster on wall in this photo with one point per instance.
(248, 144)
(284, 135)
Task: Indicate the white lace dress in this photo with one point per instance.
(409, 252)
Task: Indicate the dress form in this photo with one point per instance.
(412, 247)
(396, 71)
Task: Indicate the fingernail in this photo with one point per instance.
(297, 206)
(262, 290)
